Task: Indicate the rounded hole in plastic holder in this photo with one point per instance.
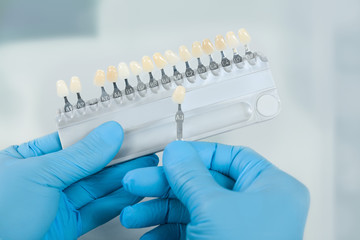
(267, 105)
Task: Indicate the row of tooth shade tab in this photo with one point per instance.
(161, 61)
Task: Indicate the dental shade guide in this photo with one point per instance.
(173, 59)
(148, 66)
(112, 76)
(136, 69)
(75, 87)
(124, 73)
(178, 97)
(222, 94)
(245, 40)
(220, 45)
(185, 55)
(197, 52)
(209, 49)
(160, 62)
(233, 43)
(63, 92)
(99, 81)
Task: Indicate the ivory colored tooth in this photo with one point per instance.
(171, 57)
(184, 53)
(196, 49)
(135, 68)
(244, 36)
(179, 95)
(148, 65)
(112, 74)
(61, 88)
(207, 46)
(159, 60)
(99, 79)
(124, 71)
(75, 85)
(232, 40)
(220, 43)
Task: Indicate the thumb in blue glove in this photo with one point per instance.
(263, 202)
(49, 193)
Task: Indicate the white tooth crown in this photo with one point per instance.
(148, 65)
(184, 53)
(112, 74)
(220, 43)
(135, 68)
(207, 46)
(75, 85)
(124, 71)
(196, 49)
(61, 88)
(171, 57)
(244, 36)
(232, 40)
(99, 79)
(159, 60)
(179, 95)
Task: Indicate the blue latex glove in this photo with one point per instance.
(49, 193)
(251, 200)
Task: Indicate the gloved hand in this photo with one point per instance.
(260, 202)
(49, 193)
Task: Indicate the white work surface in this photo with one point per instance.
(309, 45)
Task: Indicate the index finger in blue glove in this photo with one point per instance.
(105, 181)
(84, 158)
(154, 212)
(152, 182)
(147, 182)
(187, 175)
(44, 145)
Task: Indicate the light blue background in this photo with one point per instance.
(313, 47)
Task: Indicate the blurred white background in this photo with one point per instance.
(313, 47)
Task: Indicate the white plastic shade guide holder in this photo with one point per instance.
(221, 102)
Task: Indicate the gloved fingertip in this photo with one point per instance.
(128, 181)
(126, 217)
(154, 158)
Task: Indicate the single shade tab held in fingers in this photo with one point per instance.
(178, 97)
